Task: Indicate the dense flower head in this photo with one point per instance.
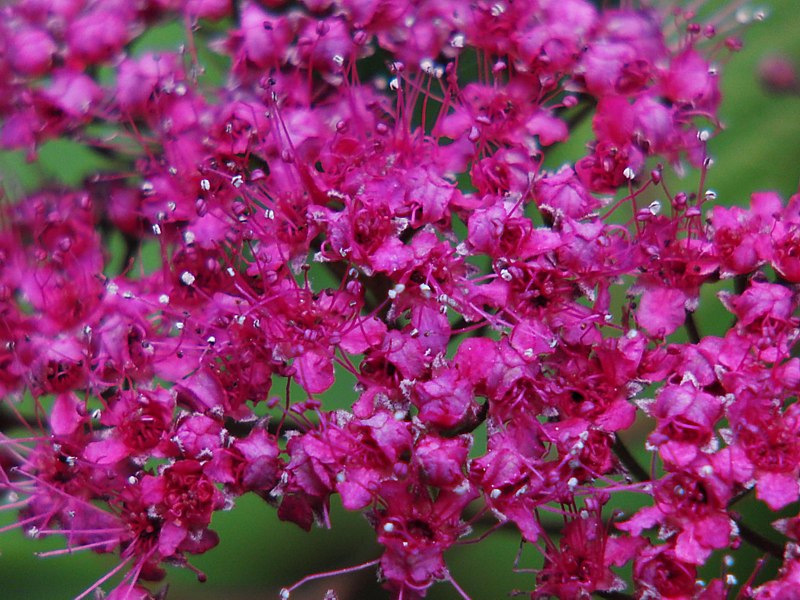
(362, 196)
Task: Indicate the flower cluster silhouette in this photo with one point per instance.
(363, 197)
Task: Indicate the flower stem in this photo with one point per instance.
(628, 460)
(691, 328)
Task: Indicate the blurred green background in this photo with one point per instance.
(258, 554)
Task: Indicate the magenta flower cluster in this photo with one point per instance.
(364, 198)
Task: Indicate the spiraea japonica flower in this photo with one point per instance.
(363, 194)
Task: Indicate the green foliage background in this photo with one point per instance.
(258, 554)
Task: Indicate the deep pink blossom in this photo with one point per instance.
(369, 195)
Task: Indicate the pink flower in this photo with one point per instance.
(366, 195)
(31, 51)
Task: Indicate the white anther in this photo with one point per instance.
(703, 135)
(163, 299)
(132, 480)
(655, 207)
(187, 278)
(728, 560)
(237, 181)
(505, 275)
(396, 291)
(458, 40)
(743, 16)
(388, 527)
(462, 488)
(498, 9)
(495, 494)
(157, 229)
(269, 214)
(338, 59)
(394, 85)
(205, 184)
(211, 340)
(629, 173)
(572, 482)
(188, 237)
